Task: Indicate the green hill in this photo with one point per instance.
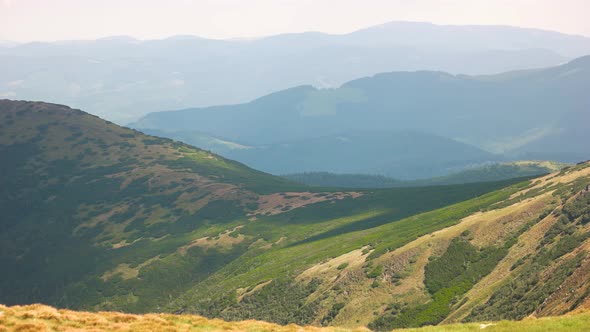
(505, 255)
(100, 216)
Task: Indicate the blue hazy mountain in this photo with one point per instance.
(539, 114)
(122, 78)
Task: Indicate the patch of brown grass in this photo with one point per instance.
(283, 202)
(126, 271)
(329, 269)
(245, 292)
(554, 178)
(222, 241)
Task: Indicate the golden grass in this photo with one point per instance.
(224, 241)
(329, 269)
(554, 178)
(41, 318)
(126, 271)
(245, 292)
(550, 165)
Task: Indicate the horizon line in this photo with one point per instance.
(255, 38)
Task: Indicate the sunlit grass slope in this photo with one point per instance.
(508, 254)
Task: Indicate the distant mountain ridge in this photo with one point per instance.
(500, 37)
(122, 79)
(399, 33)
(486, 173)
(537, 114)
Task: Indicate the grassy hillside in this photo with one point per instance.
(81, 197)
(96, 216)
(508, 254)
(43, 318)
(100, 217)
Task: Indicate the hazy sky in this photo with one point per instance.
(27, 20)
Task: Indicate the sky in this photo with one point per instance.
(48, 20)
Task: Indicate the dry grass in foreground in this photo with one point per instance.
(578, 322)
(37, 317)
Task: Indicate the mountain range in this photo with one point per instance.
(390, 123)
(121, 78)
(101, 217)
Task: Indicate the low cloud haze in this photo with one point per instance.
(28, 20)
